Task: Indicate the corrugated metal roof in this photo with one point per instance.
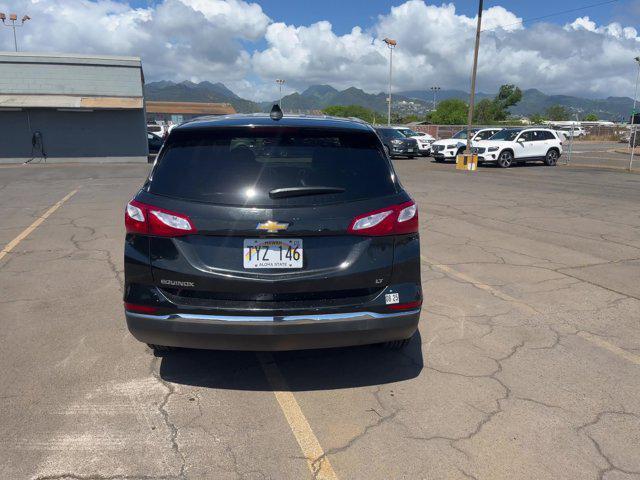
(69, 58)
(64, 74)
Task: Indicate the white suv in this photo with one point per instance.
(448, 148)
(519, 145)
(567, 132)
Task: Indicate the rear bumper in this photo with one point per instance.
(226, 332)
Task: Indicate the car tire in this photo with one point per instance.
(396, 344)
(505, 159)
(160, 349)
(438, 160)
(551, 159)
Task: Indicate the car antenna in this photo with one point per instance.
(276, 112)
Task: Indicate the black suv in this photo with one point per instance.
(396, 144)
(258, 234)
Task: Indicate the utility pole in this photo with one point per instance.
(473, 77)
(391, 44)
(434, 89)
(13, 18)
(280, 82)
(634, 129)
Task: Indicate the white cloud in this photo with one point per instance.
(235, 42)
(177, 39)
(435, 45)
(613, 29)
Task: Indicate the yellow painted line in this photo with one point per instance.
(27, 231)
(529, 309)
(317, 461)
(621, 352)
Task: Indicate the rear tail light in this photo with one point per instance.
(132, 307)
(150, 220)
(405, 306)
(394, 220)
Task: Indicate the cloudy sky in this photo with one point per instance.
(246, 45)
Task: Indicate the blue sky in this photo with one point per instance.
(248, 44)
(344, 14)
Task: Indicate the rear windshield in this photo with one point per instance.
(244, 166)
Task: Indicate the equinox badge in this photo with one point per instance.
(272, 227)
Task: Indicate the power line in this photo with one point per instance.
(551, 15)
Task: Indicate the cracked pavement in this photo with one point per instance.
(527, 363)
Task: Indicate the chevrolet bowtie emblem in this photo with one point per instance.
(272, 227)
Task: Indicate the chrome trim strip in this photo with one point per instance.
(327, 317)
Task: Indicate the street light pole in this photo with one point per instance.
(13, 18)
(391, 44)
(280, 82)
(434, 89)
(634, 129)
(473, 77)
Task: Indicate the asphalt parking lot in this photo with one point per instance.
(526, 366)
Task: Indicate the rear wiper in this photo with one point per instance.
(301, 191)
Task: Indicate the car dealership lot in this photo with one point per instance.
(526, 365)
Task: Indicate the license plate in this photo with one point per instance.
(272, 253)
(410, 150)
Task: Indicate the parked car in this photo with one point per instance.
(396, 144)
(424, 140)
(567, 132)
(308, 240)
(520, 145)
(449, 148)
(155, 142)
(157, 129)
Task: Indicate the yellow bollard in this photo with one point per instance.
(466, 162)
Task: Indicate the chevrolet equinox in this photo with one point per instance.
(263, 232)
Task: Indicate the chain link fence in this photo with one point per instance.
(601, 133)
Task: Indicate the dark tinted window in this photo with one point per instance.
(539, 135)
(485, 134)
(462, 134)
(528, 136)
(240, 166)
(389, 133)
(508, 134)
(547, 135)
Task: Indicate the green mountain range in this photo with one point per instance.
(317, 97)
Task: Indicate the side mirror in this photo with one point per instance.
(520, 140)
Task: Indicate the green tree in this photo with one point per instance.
(508, 96)
(451, 112)
(557, 113)
(484, 112)
(495, 110)
(352, 111)
(591, 117)
(537, 118)
(412, 117)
